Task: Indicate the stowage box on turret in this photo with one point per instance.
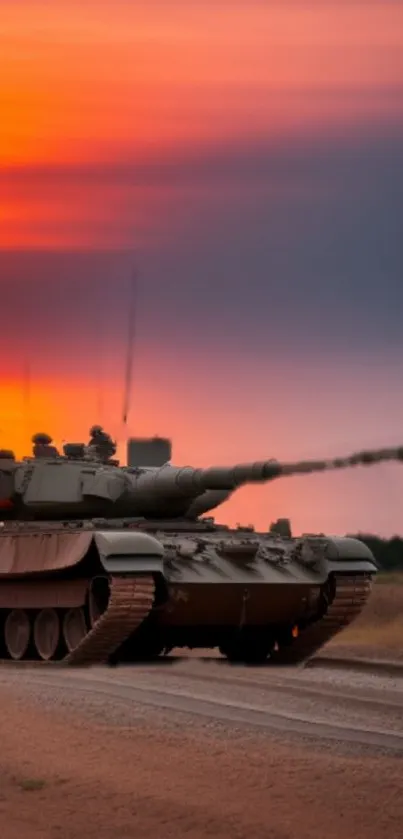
(101, 563)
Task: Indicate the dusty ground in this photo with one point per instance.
(199, 749)
(136, 753)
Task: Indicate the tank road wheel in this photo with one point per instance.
(46, 633)
(74, 628)
(17, 633)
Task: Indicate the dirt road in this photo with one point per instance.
(200, 749)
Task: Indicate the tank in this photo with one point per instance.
(101, 563)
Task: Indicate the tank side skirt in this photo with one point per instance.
(35, 594)
(42, 552)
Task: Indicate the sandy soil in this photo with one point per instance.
(69, 770)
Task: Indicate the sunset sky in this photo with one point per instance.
(248, 157)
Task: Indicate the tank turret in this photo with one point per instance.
(87, 482)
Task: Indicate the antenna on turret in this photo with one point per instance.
(130, 348)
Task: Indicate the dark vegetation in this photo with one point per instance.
(387, 552)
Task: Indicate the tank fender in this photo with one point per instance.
(334, 553)
(125, 552)
(345, 548)
(345, 554)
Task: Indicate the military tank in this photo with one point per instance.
(101, 563)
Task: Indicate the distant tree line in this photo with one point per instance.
(387, 552)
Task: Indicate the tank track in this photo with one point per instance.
(131, 599)
(351, 595)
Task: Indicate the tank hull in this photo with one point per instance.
(87, 593)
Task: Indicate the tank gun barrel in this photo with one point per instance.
(230, 478)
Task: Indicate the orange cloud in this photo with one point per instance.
(59, 215)
(85, 83)
(79, 81)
